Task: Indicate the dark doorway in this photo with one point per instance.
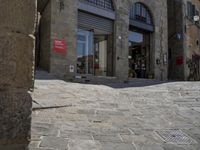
(139, 54)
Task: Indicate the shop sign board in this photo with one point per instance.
(60, 46)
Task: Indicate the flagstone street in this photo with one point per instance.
(139, 115)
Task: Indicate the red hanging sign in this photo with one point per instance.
(60, 46)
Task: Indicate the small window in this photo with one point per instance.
(191, 10)
(141, 13)
(105, 4)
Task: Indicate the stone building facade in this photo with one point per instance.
(184, 37)
(16, 72)
(115, 36)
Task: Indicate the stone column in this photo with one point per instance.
(64, 17)
(121, 40)
(16, 72)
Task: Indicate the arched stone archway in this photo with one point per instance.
(141, 27)
(159, 44)
(158, 38)
(148, 4)
(141, 16)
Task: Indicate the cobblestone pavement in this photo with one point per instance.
(141, 115)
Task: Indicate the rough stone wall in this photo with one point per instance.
(175, 28)
(192, 46)
(64, 27)
(121, 39)
(186, 46)
(16, 72)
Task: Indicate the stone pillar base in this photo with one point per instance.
(15, 119)
(15, 147)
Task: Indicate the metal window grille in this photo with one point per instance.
(140, 12)
(105, 4)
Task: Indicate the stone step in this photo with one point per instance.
(96, 80)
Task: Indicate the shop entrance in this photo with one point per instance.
(139, 54)
(100, 55)
(85, 55)
(94, 51)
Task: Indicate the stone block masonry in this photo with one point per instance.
(62, 23)
(16, 60)
(18, 16)
(15, 110)
(16, 72)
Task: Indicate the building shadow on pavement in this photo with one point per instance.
(107, 81)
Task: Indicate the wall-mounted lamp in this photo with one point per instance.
(196, 19)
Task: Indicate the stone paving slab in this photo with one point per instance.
(117, 146)
(84, 144)
(113, 116)
(54, 142)
(149, 147)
